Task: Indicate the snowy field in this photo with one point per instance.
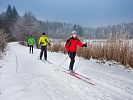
(24, 77)
(98, 42)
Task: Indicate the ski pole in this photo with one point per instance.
(61, 64)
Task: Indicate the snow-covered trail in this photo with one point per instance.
(24, 77)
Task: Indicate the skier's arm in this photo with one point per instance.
(80, 44)
(48, 41)
(28, 41)
(33, 40)
(67, 46)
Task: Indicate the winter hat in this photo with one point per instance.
(74, 32)
(43, 33)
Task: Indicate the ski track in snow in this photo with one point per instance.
(24, 77)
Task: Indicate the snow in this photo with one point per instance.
(24, 77)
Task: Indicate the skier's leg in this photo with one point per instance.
(41, 53)
(74, 54)
(45, 53)
(72, 57)
(30, 48)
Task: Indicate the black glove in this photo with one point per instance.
(41, 42)
(85, 45)
(49, 44)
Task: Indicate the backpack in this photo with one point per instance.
(68, 42)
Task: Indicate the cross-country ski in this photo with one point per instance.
(80, 78)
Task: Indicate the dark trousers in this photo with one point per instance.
(31, 48)
(72, 57)
(43, 50)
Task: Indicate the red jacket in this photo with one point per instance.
(72, 44)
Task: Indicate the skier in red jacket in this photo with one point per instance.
(71, 46)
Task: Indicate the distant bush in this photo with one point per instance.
(56, 47)
(23, 43)
(2, 43)
(116, 50)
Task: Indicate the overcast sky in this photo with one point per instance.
(89, 13)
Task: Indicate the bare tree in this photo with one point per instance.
(2, 42)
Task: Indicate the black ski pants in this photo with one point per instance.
(43, 50)
(31, 48)
(72, 58)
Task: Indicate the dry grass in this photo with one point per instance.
(116, 50)
(56, 47)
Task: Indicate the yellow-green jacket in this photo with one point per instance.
(31, 41)
(43, 40)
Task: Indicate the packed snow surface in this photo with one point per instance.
(24, 77)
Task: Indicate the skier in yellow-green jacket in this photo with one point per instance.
(44, 42)
(31, 42)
